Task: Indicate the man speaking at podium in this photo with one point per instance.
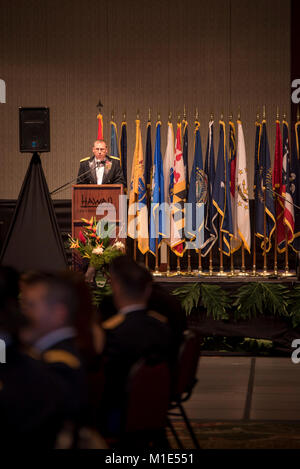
(100, 168)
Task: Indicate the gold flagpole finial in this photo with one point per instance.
(158, 116)
(184, 112)
(124, 116)
(178, 118)
(170, 117)
(239, 113)
(211, 116)
(149, 114)
(112, 115)
(257, 116)
(298, 113)
(196, 114)
(284, 116)
(231, 116)
(277, 113)
(138, 114)
(222, 116)
(264, 112)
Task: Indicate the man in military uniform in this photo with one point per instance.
(100, 168)
(133, 333)
(50, 304)
(31, 399)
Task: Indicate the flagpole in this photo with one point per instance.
(148, 199)
(200, 272)
(210, 263)
(231, 253)
(221, 271)
(254, 273)
(265, 272)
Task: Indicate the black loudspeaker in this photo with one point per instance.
(34, 129)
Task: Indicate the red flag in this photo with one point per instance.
(289, 215)
(100, 127)
(277, 186)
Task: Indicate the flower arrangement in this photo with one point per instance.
(95, 244)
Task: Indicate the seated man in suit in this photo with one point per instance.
(100, 168)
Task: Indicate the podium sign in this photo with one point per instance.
(87, 198)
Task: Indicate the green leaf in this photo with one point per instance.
(261, 298)
(215, 300)
(294, 306)
(188, 295)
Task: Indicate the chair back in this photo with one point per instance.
(187, 364)
(148, 396)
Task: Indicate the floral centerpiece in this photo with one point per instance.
(96, 244)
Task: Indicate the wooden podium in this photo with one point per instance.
(87, 198)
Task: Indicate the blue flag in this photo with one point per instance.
(210, 212)
(114, 149)
(123, 149)
(197, 195)
(157, 219)
(148, 158)
(263, 182)
(221, 192)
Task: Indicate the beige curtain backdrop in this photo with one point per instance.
(66, 54)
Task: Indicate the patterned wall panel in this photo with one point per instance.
(133, 55)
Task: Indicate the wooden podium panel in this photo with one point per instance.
(86, 198)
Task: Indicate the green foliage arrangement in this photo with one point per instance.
(213, 298)
(249, 301)
(255, 297)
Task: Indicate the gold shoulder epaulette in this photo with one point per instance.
(85, 159)
(61, 356)
(114, 157)
(158, 316)
(114, 321)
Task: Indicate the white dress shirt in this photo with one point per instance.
(99, 173)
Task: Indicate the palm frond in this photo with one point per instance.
(215, 300)
(188, 296)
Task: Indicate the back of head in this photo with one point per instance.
(133, 281)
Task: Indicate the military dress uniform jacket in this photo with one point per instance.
(130, 337)
(112, 171)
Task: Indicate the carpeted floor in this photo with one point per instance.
(240, 435)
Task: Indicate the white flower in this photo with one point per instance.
(98, 250)
(118, 245)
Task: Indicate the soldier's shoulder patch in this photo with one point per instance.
(114, 157)
(85, 159)
(114, 321)
(61, 356)
(158, 316)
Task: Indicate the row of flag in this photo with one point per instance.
(218, 208)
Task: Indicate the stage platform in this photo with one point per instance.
(267, 326)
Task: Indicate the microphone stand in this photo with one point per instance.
(73, 180)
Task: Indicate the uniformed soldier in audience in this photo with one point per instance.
(50, 303)
(134, 332)
(31, 399)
